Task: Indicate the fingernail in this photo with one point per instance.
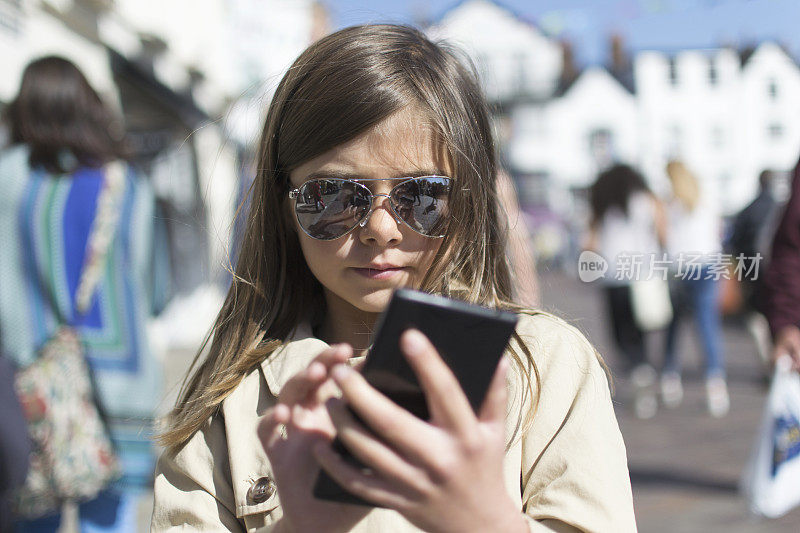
(342, 349)
(340, 372)
(316, 368)
(414, 342)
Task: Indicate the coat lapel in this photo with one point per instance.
(295, 354)
(245, 406)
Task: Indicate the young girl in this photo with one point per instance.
(395, 125)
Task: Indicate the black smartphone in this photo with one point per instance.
(471, 339)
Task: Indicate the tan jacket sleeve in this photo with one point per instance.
(192, 487)
(574, 467)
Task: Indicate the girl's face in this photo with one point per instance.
(360, 269)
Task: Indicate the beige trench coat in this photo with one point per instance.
(568, 470)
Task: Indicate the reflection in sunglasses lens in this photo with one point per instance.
(423, 204)
(327, 209)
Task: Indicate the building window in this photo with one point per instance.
(713, 73)
(674, 140)
(717, 137)
(521, 67)
(772, 89)
(775, 131)
(601, 146)
(673, 71)
(725, 183)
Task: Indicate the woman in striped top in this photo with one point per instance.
(62, 136)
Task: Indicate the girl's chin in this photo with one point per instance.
(374, 302)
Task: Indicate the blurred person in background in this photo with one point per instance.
(781, 286)
(61, 136)
(751, 231)
(520, 252)
(626, 219)
(694, 245)
(15, 445)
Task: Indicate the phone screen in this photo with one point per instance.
(469, 338)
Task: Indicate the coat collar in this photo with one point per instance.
(297, 351)
(247, 403)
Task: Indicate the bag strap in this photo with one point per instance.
(104, 227)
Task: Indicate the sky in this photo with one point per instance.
(644, 24)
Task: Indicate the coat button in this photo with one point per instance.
(261, 490)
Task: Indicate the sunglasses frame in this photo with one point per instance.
(295, 193)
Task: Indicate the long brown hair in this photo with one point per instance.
(57, 113)
(340, 87)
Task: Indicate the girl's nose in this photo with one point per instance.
(380, 227)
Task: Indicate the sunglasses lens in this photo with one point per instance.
(423, 204)
(327, 209)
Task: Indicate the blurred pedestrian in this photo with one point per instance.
(51, 176)
(627, 219)
(520, 252)
(15, 445)
(694, 245)
(749, 240)
(781, 287)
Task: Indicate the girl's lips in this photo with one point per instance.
(379, 273)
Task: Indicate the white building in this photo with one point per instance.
(512, 56)
(591, 123)
(689, 110)
(264, 38)
(770, 111)
(728, 117)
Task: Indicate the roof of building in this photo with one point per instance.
(513, 12)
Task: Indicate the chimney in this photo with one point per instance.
(569, 71)
(619, 57)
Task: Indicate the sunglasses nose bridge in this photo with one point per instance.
(372, 209)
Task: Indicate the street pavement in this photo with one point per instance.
(685, 465)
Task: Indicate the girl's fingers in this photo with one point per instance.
(336, 354)
(403, 431)
(271, 426)
(365, 485)
(494, 405)
(302, 384)
(373, 453)
(446, 399)
(299, 386)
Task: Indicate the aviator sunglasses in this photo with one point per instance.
(327, 209)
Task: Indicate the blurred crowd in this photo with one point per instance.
(674, 258)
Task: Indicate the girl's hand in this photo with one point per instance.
(288, 432)
(441, 475)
